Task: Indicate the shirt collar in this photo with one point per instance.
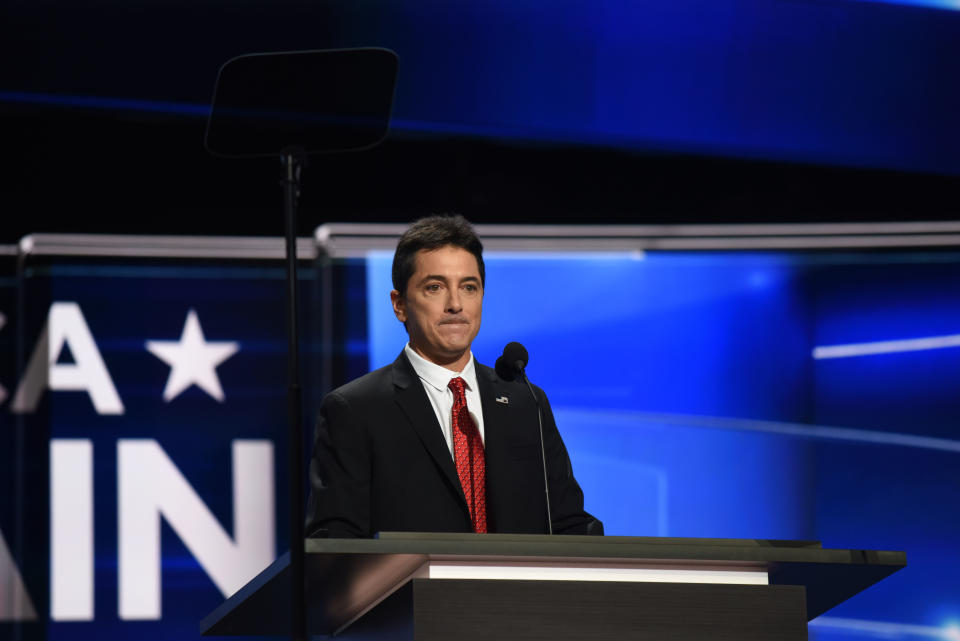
(438, 376)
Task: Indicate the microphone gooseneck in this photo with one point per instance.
(511, 364)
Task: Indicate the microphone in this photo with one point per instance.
(511, 364)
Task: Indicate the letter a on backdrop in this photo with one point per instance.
(66, 326)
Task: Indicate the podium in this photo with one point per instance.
(438, 587)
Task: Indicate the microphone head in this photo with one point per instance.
(516, 355)
(512, 361)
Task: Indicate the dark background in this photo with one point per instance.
(576, 112)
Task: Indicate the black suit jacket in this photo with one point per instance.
(380, 462)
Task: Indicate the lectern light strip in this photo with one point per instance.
(644, 575)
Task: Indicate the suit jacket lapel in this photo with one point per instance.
(413, 400)
(496, 416)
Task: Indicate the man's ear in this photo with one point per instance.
(399, 305)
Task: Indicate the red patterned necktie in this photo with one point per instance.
(468, 456)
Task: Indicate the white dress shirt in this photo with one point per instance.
(435, 379)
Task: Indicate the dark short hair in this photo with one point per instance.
(434, 232)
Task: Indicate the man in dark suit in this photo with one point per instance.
(437, 442)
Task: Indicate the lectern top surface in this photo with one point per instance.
(625, 547)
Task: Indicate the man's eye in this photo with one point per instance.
(433, 287)
(470, 288)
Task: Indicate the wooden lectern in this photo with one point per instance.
(483, 587)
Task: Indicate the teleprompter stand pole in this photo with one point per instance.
(292, 159)
(341, 102)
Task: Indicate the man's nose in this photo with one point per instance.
(454, 304)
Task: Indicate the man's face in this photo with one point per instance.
(442, 305)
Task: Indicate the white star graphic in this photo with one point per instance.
(193, 360)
